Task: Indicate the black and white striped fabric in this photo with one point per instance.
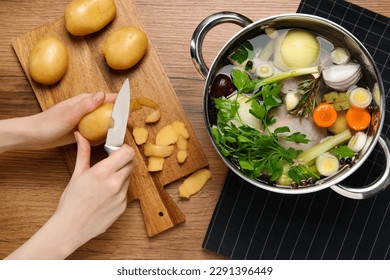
(250, 223)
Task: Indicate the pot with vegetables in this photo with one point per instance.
(293, 103)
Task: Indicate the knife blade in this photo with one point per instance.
(120, 114)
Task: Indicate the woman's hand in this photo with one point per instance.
(94, 198)
(55, 126)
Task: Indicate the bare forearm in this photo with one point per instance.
(53, 241)
(14, 133)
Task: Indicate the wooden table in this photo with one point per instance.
(32, 182)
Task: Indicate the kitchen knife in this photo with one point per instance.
(120, 114)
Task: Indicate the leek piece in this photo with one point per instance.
(324, 146)
(284, 75)
(360, 97)
(327, 164)
(340, 55)
(293, 73)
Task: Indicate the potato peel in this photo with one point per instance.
(140, 135)
(194, 183)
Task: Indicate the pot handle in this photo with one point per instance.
(374, 188)
(203, 28)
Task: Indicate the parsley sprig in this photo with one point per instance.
(255, 152)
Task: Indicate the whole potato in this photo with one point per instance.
(84, 17)
(125, 47)
(48, 61)
(94, 125)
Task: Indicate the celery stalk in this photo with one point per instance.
(325, 146)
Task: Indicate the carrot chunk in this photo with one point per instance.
(358, 119)
(324, 115)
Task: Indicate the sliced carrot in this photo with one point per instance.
(324, 115)
(358, 119)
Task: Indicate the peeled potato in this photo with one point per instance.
(48, 61)
(94, 125)
(340, 124)
(125, 47)
(84, 17)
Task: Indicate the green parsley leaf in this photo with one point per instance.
(240, 79)
(281, 129)
(258, 110)
(297, 137)
(244, 52)
(342, 152)
(277, 168)
(227, 109)
(293, 174)
(244, 164)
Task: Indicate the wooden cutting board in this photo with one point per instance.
(87, 72)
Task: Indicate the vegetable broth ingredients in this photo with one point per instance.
(342, 77)
(298, 49)
(340, 55)
(357, 142)
(291, 100)
(242, 55)
(244, 84)
(376, 94)
(243, 115)
(340, 124)
(358, 119)
(339, 100)
(327, 164)
(304, 125)
(222, 86)
(324, 115)
(324, 146)
(359, 97)
(255, 153)
(265, 70)
(308, 101)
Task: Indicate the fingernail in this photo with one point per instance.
(98, 96)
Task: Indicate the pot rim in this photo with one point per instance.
(338, 177)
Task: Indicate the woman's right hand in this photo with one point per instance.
(93, 199)
(95, 196)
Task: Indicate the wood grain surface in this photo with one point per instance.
(31, 182)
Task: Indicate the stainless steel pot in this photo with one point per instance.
(327, 29)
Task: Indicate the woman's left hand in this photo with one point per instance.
(55, 126)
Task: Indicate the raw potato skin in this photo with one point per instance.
(182, 149)
(48, 61)
(155, 164)
(94, 125)
(194, 183)
(140, 135)
(180, 128)
(125, 47)
(83, 17)
(166, 136)
(158, 151)
(153, 117)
